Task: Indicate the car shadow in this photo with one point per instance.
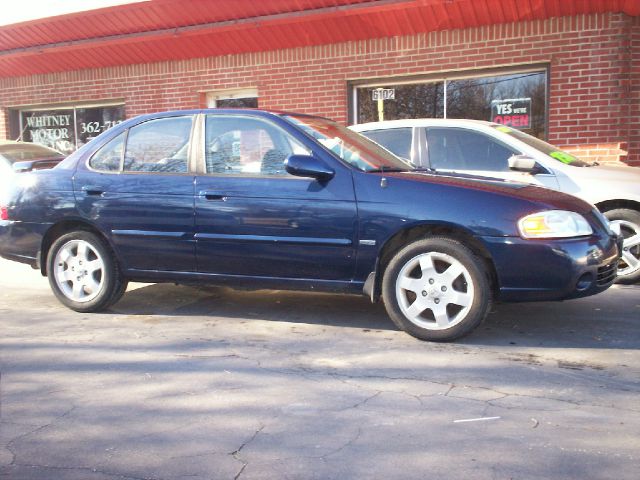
(609, 320)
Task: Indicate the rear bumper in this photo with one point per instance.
(20, 241)
(538, 270)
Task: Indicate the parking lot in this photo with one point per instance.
(208, 383)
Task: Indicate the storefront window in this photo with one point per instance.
(234, 98)
(516, 99)
(425, 100)
(93, 121)
(66, 129)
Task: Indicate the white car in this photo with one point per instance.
(489, 149)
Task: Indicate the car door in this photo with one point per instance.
(254, 219)
(462, 150)
(139, 189)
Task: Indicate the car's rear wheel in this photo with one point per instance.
(629, 222)
(83, 272)
(436, 289)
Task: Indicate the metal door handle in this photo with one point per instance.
(93, 190)
(213, 195)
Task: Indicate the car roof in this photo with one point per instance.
(420, 122)
(259, 112)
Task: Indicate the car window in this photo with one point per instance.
(542, 146)
(236, 145)
(396, 140)
(108, 158)
(461, 149)
(159, 146)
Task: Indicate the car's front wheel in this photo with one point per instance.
(83, 272)
(436, 289)
(629, 222)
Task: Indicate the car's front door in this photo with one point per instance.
(254, 219)
(462, 150)
(139, 190)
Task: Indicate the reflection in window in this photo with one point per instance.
(241, 145)
(91, 122)
(159, 146)
(66, 129)
(463, 98)
(472, 97)
(108, 158)
(461, 149)
(424, 100)
(248, 102)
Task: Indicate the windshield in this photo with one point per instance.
(24, 152)
(544, 147)
(350, 146)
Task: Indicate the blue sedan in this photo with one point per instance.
(260, 199)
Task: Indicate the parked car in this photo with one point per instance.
(489, 149)
(276, 200)
(25, 156)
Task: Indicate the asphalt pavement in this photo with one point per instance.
(178, 382)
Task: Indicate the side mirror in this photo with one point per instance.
(308, 166)
(523, 163)
(22, 166)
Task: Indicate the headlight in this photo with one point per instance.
(554, 224)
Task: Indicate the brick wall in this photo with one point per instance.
(594, 87)
(634, 110)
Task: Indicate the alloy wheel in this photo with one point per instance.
(79, 271)
(434, 291)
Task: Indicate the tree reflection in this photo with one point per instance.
(465, 98)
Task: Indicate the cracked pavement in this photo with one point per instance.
(178, 382)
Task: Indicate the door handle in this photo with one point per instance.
(213, 195)
(93, 190)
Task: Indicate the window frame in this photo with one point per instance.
(354, 85)
(427, 156)
(202, 150)
(212, 97)
(191, 170)
(72, 107)
(91, 168)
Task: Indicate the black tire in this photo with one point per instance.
(473, 286)
(111, 284)
(630, 225)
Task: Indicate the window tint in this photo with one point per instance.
(396, 140)
(460, 149)
(159, 146)
(108, 158)
(241, 145)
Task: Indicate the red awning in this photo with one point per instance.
(160, 30)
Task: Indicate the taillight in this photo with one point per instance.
(4, 213)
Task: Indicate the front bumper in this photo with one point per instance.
(561, 269)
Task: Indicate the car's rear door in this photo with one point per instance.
(139, 189)
(254, 219)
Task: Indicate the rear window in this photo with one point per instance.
(28, 152)
(396, 140)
